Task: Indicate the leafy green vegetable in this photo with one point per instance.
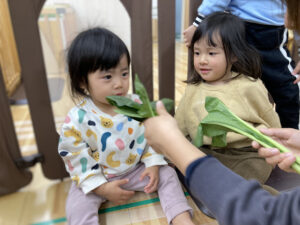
(221, 120)
(146, 110)
(168, 103)
(135, 110)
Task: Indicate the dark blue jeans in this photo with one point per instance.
(277, 65)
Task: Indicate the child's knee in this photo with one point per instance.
(166, 171)
(168, 177)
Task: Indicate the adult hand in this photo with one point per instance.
(163, 134)
(161, 130)
(153, 174)
(288, 137)
(296, 72)
(188, 35)
(112, 191)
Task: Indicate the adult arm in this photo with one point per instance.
(234, 200)
(206, 7)
(210, 6)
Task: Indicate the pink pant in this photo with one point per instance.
(83, 209)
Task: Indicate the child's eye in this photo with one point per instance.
(107, 77)
(196, 53)
(125, 74)
(212, 53)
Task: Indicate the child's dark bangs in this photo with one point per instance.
(108, 58)
(211, 37)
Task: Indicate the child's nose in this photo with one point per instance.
(203, 59)
(117, 83)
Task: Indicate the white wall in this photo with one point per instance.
(110, 14)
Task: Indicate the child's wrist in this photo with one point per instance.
(100, 190)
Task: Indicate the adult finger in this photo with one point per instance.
(268, 152)
(297, 69)
(160, 108)
(255, 144)
(276, 159)
(283, 133)
(297, 79)
(286, 163)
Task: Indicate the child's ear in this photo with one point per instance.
(83, 86)
(233, 59)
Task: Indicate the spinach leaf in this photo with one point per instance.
(135, 110)
(221, 120)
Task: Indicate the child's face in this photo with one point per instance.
(114, 81)
(210, 62)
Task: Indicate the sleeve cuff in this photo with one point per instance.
(154, 160)
(92, 182)
(198, 20)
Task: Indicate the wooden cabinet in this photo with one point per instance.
(9, 60)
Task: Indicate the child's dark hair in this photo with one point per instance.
(93, 49)
(244, 58)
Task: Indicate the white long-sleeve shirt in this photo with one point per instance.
(96, 146)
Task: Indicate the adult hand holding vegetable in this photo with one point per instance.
(221, 120)
(232, 199)
(288, 137)
(163, 134)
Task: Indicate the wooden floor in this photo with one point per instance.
(42, 202)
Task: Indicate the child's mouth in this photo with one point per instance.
(204, 71)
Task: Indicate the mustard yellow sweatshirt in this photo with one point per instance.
(244, 96)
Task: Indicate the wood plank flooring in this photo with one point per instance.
(42, 202)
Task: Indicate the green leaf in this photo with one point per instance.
(134, 110)
(146, 109)
(221, 120)
(130, 113)
(125, 106)
(120, 101)
(168, 103)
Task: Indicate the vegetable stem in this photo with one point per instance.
(220, 120)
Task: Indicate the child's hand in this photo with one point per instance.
(153, 173)
(112, 191)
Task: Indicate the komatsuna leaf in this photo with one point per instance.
(135, 110)
(125, 106)
(120, 101)
(130, 113)
(221, 120)
(168, 103)
(146, 109)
